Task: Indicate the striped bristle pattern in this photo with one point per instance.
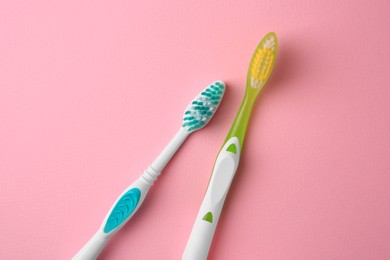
(203, 107)
(262, 62)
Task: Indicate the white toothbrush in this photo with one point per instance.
(197, 115)
(225, 166)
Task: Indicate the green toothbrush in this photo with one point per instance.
(225, 166)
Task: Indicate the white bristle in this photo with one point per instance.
(270, 43)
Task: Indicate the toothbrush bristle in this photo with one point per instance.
(262, 61)
(202, 108)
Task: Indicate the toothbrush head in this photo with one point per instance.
(203, 107)
(262, 62)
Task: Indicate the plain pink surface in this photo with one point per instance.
(91, 91)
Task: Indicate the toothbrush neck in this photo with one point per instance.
(159, 163)
(240, 123)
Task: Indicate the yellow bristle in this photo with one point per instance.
(262, 62)
(261, 66)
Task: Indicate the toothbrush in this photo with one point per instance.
(225, 166)
(197, 114)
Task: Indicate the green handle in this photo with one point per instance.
(240, 123)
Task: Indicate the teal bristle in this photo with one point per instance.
(200, 111)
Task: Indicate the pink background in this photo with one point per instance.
(91, 91)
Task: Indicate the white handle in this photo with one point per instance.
(202, 233)
(93, 248)
(130, 200)
(120, 213)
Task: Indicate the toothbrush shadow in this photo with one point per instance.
(288, 70)
(284, 72)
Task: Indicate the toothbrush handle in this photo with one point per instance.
(92, 249)
(130, 200)
(202, 233)
(120, 213)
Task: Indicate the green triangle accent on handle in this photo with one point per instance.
(208, 217)
(232, 148)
